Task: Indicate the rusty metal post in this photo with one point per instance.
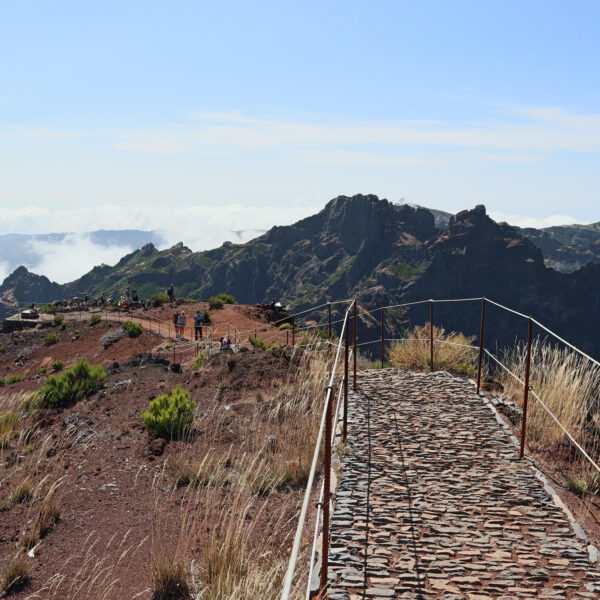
(431, 334)
(287, 337)
(326, 490)
(354, 346)
(382, 334)
(173, 354)
(329, 322)
(526, 391)
(293, 331)
(345, 427)
(481, 333)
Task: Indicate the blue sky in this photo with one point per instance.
(205, 117)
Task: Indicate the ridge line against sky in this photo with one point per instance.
(205, 118)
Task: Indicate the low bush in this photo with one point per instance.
(199, 361)
(95, 319)
(58, 320)
(13, 378)
(215, 303)
(49, 309)
(57, 365)
(159, 299)
(206, 316)
(227, 298)
(42, 370)
(170, 415)
(285, 326)
(72, 386)
(50, 339)
(2, 382)
(132, 328)
(257, 342)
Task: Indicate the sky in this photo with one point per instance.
(200, 118)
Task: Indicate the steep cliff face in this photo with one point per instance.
(368, 248)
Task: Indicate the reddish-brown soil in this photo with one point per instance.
(117, 491)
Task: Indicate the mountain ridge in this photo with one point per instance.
(364, 247)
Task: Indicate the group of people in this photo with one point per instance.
(180, 320)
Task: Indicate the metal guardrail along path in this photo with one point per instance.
(433, 503)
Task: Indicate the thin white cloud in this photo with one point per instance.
(538, 130)
(536, 222)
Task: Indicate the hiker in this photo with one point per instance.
(171, 293)
(225, 341)
(134, 295)
(103, 300)
(176, 323)
(181, 319)
(127, 293)
(198, 322)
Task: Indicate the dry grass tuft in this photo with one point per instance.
(449, 354)
(169, 579)
(565, 381)
(212, 470)
(21, 493)
(15, 575)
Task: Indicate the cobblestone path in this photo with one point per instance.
(433, 503)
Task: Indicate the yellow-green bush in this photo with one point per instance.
(132, 328)
(170, 415)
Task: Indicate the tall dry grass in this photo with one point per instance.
(449, 353)
(568, 385)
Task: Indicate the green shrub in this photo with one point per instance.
(95, 319)
(257, 342)
(73, 385)
(285, 326)
(170, 415)
(50, 339)
(199, 361)
(2, 382)
(49, 309)
(57, 365)
(273, 347)
(132, 328)
(159, 299)
(42, 370)
(227, 298)
(215, 303)
(63, 326)
(14, 378)
(58, 320)
(206, 316)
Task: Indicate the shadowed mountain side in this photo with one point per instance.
(379, 252)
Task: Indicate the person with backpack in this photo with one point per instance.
(176, 323)
(198, 322)
(171, 293)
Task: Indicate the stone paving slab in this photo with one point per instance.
(433, 503)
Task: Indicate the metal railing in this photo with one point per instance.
(482, 353)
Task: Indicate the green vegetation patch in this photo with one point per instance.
(133, 329)
(170, 415)
(72, 386)
(404, 270)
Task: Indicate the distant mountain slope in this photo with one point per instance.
(381, 253)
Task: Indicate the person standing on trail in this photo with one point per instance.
(171, 293)
(176, 323)
(181, 323)
(198, 322)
